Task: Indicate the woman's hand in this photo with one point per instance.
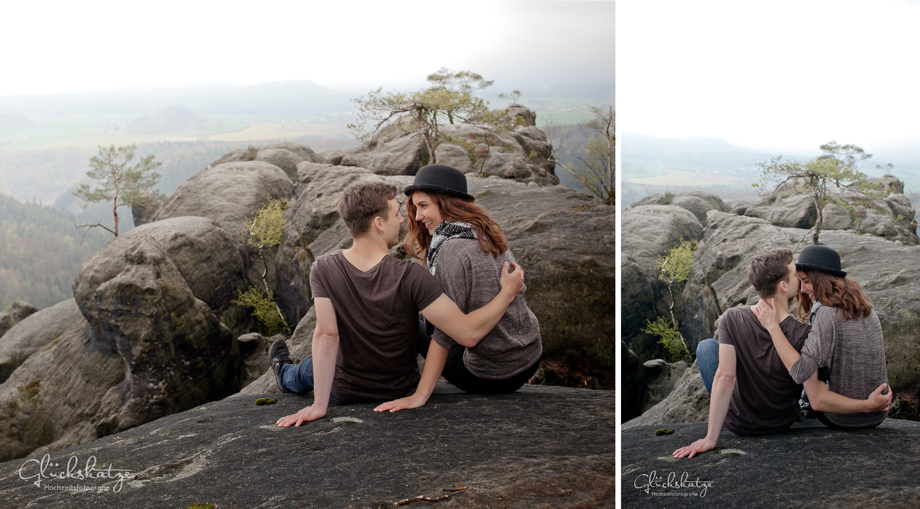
(310, 413)
(879, 402)
(407, 403)
(511, 281)
(767, 313)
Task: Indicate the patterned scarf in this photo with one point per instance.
(446, 231)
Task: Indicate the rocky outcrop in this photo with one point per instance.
(285, 156)
(517, 151)
(697, 202)
(542, 446)
(147, 298)
(563, 238)
(688, 401)
(13, 314)
(649, 231)
(877, 208)
(55, 396)
(30, 334)
(808, 466)
(661, 378)
(228, 193)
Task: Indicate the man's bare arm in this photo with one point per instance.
(469, 329)
(723, 385)
(325, 350)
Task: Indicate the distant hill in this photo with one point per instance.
(170, 118)
(276, 98)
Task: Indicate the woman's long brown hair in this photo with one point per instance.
(839, 292)
(491, 239)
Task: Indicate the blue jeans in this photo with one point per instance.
(707, 356)
(299, 378)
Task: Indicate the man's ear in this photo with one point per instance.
(378, 223)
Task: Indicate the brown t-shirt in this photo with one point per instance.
(765, 399)
(377, 317)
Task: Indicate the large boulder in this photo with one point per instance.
(54, 397)
(649, 231)
(887, 271)
(31, 334)
(687, 402)
(391, 152)
(228, 193)
(146, 297)
(284, 155)
(13, 314)
(699, 203)
(794, 211)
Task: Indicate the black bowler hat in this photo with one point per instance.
(440, 178)
(821, 259)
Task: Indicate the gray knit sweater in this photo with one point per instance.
(854, 352)
(470, 278)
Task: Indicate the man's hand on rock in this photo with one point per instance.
(700, 446)
(310, 413)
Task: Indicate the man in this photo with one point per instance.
(367, 305)
(766, 397)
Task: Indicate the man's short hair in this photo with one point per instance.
(364, 201)
(767, 269)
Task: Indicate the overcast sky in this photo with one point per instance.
(770, 73)
(57, 46)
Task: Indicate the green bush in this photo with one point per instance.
(263, 308)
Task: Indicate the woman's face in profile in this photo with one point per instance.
(805, 284)
(427, 211)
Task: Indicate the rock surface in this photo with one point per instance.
(540, 447)
(687, 402)
(15, 313)
(55, 397)
(808, 466)
(30, 333)
(649, 231)
(146, 298)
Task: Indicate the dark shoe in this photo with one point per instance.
(280, 355)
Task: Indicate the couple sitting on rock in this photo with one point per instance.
(755, 371)
(368, 329)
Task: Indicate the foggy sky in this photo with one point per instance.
(58, 47)
(770, 74)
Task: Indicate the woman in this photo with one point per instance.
(464, 248)
(844, 348)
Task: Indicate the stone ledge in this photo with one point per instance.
(808, 466)
(540, 447)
